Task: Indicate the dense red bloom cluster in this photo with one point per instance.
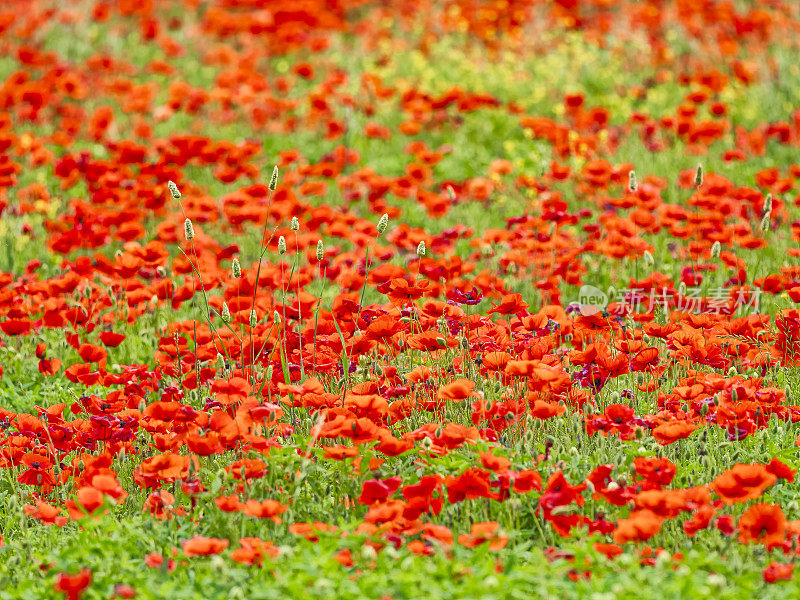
(246, 351)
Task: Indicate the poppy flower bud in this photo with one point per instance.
(173, 189)
(188, 229)
(253, 318)
(383, 223)
(698, 175)
(281, 245)
(226, 313)
(320, 250)
(441, 341)
(295, 224)
(715, 249)
(421, 249)
(632, 181)
(734, 396)
(273, 181)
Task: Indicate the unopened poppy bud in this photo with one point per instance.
(236, 268)
(226, 313)
(188, 229)
(295, 224)
(632, 181)
(253, 318)
(173, 189)
(383, 223)
(648, 258)
(320, 250)
(441, 341)
(698, 175)
(734, 395)
(421, 249)
(715, 249)
(273, 181)
(281, 245)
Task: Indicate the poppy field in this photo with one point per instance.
(399, 299)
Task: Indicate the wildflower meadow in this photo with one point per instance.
(399, 299)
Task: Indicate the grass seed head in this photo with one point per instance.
(236, 268)
(320, 250)
(273, 181)
(281, 245)
(188, 229)
(383, 223)
(421, 249)
(295, 224)
(173, 189)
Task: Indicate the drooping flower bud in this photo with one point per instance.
(273, 181)
(173, 189)
(188, 229)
